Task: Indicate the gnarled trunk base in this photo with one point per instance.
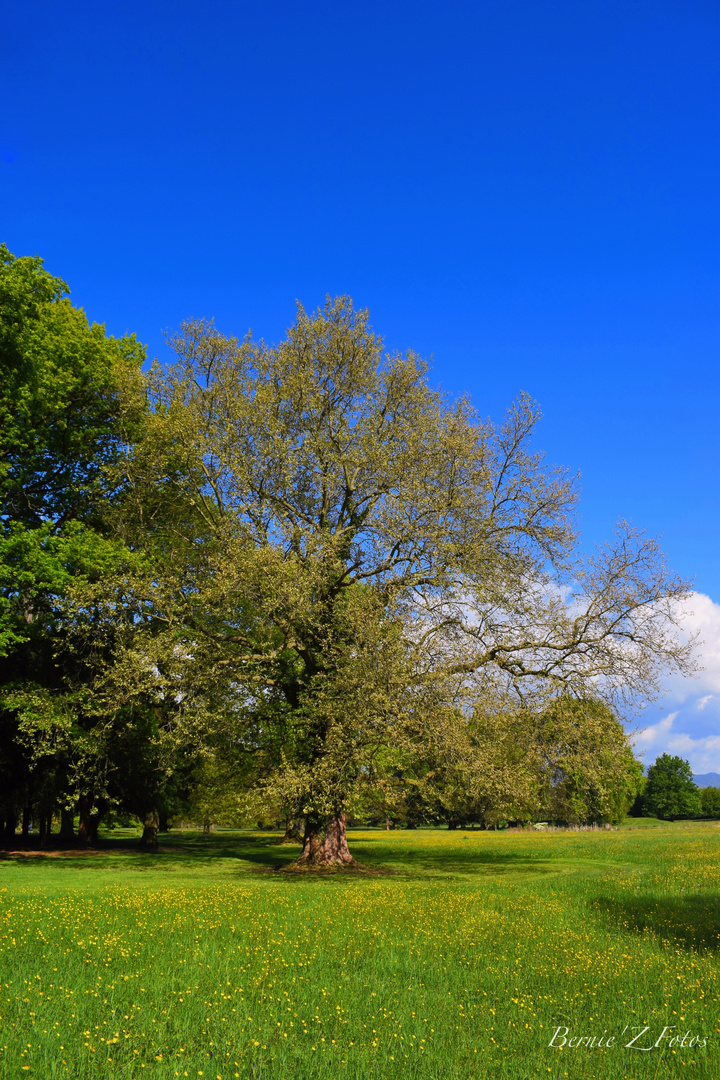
(326, 846)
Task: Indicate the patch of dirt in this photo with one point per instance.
(294, 869)
(73, 853)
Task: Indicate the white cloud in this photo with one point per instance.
(702, 617)
(692, 729)
(703, 754)
(655, 732)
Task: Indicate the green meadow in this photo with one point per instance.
(451, 955)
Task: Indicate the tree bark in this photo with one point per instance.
(89, 822)
(164, 825)
(149, 839)
(294, 831)
(67, 824)
(326, 845)
(45, 826)
(11, 822)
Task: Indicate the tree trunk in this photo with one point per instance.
(11, 822)
(45, 826)
(164, 825)
(26, 821)
(294, 831)
(149, 839)
(326, 846)
(67, 824)
(88, 827)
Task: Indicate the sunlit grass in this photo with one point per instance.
(202, 961)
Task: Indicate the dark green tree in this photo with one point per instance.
(710, 801)
(61, 426)
(671, 791)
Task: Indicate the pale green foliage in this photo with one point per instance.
(339, 557)
(588, 769)
(219, 796)
(570, 762)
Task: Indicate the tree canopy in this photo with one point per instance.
(297, 577)
(340, 559)
(710, 801)
(60, 404)
(671, 791)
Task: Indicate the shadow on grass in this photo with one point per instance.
(380, 855)
(691, 922)
(200, 854)
(457, 859)
(179, 852)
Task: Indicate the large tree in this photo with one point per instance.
(343, 560)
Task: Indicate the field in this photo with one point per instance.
(460, 961)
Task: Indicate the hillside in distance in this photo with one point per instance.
(710, 779)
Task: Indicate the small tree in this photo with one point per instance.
(710, 802)
(671, 791)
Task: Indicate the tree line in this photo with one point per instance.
(294, 583)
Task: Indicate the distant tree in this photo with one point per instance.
(589, 771)
(710, 801)
(671, 791)
(479, 770)
(569, 762)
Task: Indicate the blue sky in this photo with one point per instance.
(528, 191)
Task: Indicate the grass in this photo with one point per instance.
(203, 961)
